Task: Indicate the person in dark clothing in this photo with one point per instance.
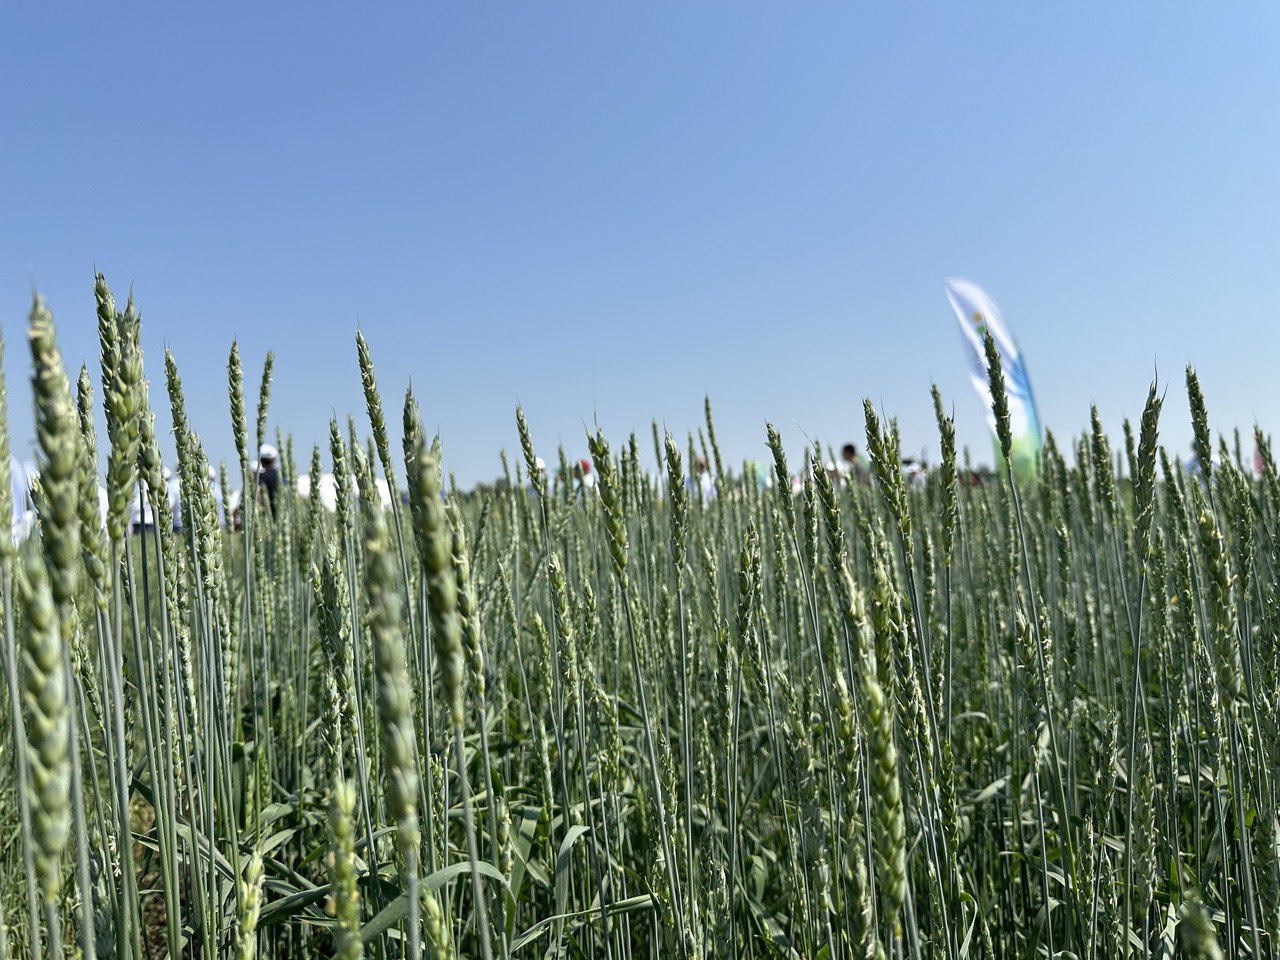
(268, 477)
(851, 466)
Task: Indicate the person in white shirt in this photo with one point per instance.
(22, 477)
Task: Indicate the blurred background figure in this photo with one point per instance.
(913, 471)
(541, 466)
(702, 479)
(754, 473)
(584, 481)
(268, 474)
(850, 464)
(232, 518)
(22, 477)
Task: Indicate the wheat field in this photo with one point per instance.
(853, 717)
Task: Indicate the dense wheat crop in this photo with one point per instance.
(651, 719)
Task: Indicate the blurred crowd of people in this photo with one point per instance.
(577, 478)
(570, 479)
(266, 477)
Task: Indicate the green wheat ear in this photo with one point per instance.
(878, 721)
(391, 672)
(536, 477)
(611, 501)
(999, 399)
(373, 401)
(781, 474)
(715, 446)
(468, 612)
(235, 394)
(1144, 478)
(93, 544)
(679, 499)
(437, 935)
(57, 431)
(344, 511)
(264, 398)
(46, 696)
(249, 908)
(344, 873)
(1103, 472)
(1200, 443)
(442, 589)
(947, 477)
(121, 362)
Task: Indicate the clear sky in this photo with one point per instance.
(609, 209)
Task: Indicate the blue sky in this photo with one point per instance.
(606, 210)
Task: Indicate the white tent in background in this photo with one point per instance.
(174, 492)
(384, 492)
(173, 496)
(140, 512)
(329, 490)
(22, 477)
(215, 487)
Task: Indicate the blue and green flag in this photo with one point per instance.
(978, 313)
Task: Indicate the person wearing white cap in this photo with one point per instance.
(268, 476)
(541, 466)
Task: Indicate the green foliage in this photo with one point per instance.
(871, 719)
